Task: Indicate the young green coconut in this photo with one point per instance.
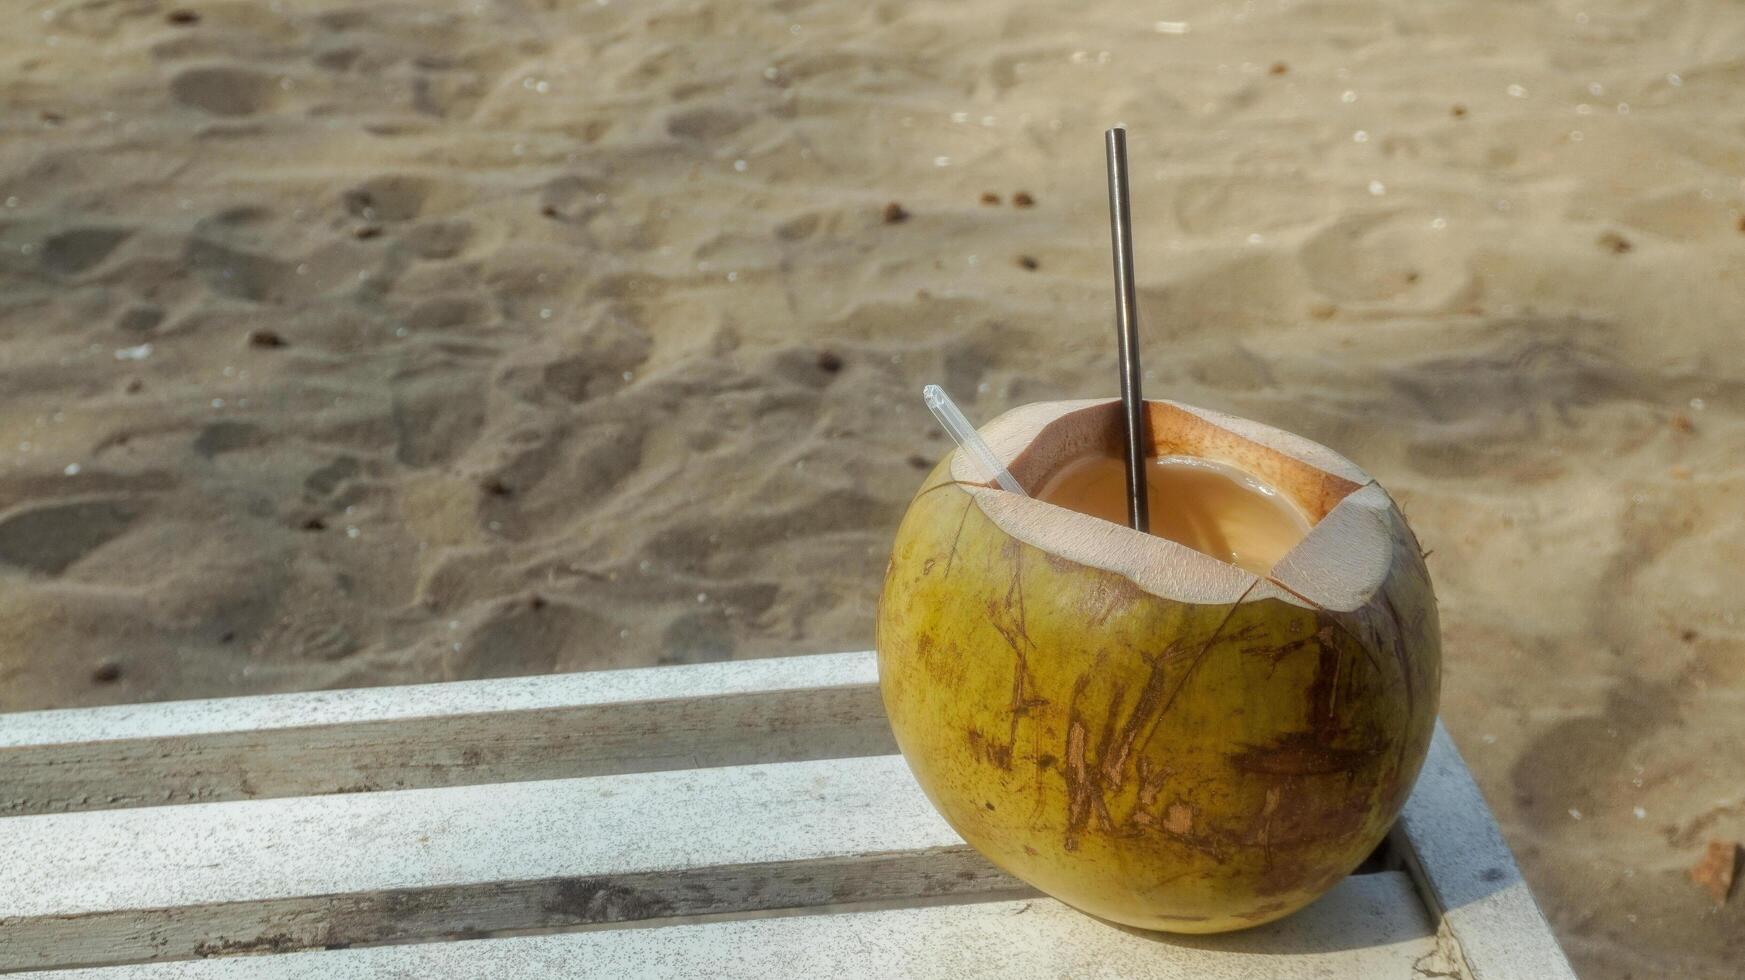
(1138, 729)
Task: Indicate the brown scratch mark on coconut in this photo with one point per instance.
(1100, 812)
(1194, 664)
(1209, 844)
(1335, 822)
(1086, 786)
(1357, 641)
(1008, 617)
(1277, 652)
(1015, 589)
(1089, 786)
(1015, 642)
(1333, 620)
(1096, 777)
(1078, 787)
(1306, 600)
(1247, 634)
(984, 748)
(1263, 911)
(1414, 627)
(1104, 821)
(1281, 877)
(951, 556)
(1151, 782)
(1333, 686)
(1396, 647)
(946, 484)
(1144, 714)
(1151, 707)
(1273, 795)
(1323, 692)
(1085, 804)
(1302, 754)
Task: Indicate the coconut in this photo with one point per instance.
(1140, 730)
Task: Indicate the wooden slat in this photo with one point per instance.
(566, 725)
(249, 876)
(1370, 926)
(203, 879)
(1468, 875)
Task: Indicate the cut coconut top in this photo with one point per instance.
(1338, 565)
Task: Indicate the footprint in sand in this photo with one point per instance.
(314, 638)
(224, 90)
(430, 425)
(1241, 293)
(50, 538)
(227, 436)
(800, 228)
(1220, 205)
(1232, 367)
(1683, 216)
(526, 636)
(387, 198)
(339, 57)
(437, 240)
(139, 319)
(322, 482)
(448, 313)
(233, 272)
(707, 123)
(1368, 257)
(241, 216)
(322, 641)
(1560, 770)
(697, 637)
(570, 195)
(611, 348)
(79, 249)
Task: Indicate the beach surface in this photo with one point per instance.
(372, 343)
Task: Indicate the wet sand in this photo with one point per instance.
(350, 344)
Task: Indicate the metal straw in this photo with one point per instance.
(1127, 329)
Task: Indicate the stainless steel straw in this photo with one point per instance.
(1127, 329)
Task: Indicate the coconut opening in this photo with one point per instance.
(1212, 507)
(1094, 432)
(1327, 539)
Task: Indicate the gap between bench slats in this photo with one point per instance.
(472, 732)
(1371, 926)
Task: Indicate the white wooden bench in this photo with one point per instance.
(744, 819)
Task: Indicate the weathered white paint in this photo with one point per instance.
(492, 731)
(367, 704)
(1468, 874)
(1371, 926)
(416, 867)
(425, 864)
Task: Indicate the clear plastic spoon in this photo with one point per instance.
(968, 439)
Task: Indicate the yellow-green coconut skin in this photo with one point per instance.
(1166, 765)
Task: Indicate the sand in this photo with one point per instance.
(369, 343)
